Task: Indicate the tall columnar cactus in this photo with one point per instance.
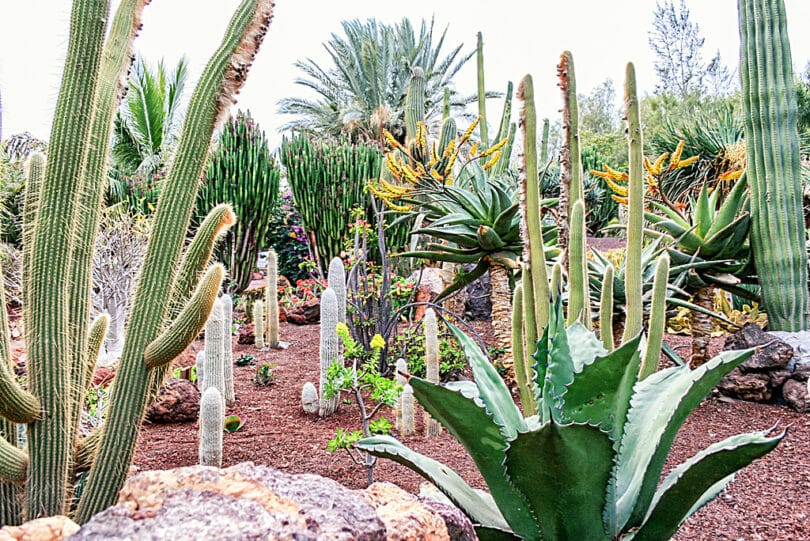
(578, 289)
(214, 359)
(399, 375)
(606, 308)
(773, 163)
(199, 362)
(407, 406)
(432, 428)
(271, 299)
(227, 344)
(212, 419)
(635, 190)
(571, 183)
(258, 324)
(330, 348)
(242, 171)
(58, 269)
(336, 279)
(658, 319)
(482, 93)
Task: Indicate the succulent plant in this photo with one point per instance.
(212, 417)
(271, 300)
(588, 465)
(431, 326)
(329, 350)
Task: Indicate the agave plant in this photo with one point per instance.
(713, 239)
(588, 466)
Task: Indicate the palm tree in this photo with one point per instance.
(363, 92)
(146, 126)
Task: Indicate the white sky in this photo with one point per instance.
(520, 36)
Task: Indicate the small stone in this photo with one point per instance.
(796, 395)
(53, 528)
(177, 402)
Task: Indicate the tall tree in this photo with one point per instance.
(363, 90)
(676, 41)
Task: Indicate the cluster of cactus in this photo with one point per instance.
(773, 163)
(271, 300)
(176, 290)
(243, 172)
(328, 179)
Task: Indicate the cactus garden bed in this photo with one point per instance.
(769, 500)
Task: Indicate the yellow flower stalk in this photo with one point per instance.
(659, 163)
(687, 162)
(377, 342)
(493, 160)
(392, 141)
(676, 156)
(495, 148)
(468, 133)
(474, 149)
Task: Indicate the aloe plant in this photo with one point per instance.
(713, 241)
(588, 465)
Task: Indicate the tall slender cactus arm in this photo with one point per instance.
(95, 339)
(658, 319)
(188, 324)
(86, 449)
(13, 463)
(198, 254)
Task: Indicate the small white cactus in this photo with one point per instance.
(432, 427)
(406, 421)
(212, 419)
(336, 279)
(330, 348)
(271, 299)
(214, 358)
(227, 344)
(258, 323)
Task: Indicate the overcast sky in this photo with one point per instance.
(520, 36)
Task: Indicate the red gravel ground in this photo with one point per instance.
(769, 500)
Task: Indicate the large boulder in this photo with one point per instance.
(248, 501)
(307, 313)
(797, 395)
(178, 401)
(53, 528)
(776, 355)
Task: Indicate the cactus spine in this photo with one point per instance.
(330, 348)
(336, 279)
(309, 398)
(271, 299)
(214, 359)
(227, 344)
(258, 323)
(432, 427)
(773, 163)
(658, 318)
(212, 417)
(635, 209)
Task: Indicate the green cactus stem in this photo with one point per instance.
(533, 248)
(571, 183)
(544, 142)
(221, 79)
(773, 163)
(16, 404)
(632, 275)
(557, 282)
(258, 323)
(212, 417)
(188, 324)
(95, 339)
(271, 300)
(432, 427)
(13, 463)
(606, 308)
(578, 290)
(50, 439)
(329, 349)
(658, 319)
(33, 187)
(399, 375)
(522, 368)
(227, 344)
(482, 93)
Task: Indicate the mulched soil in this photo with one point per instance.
(769, 500)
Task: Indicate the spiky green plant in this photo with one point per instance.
(588, 465)
(774, 163)
(242, 172)
(712, 240)
(58, 270)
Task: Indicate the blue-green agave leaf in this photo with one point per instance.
(563, 470)
(449, 482)
(659, 407)
(685, 488)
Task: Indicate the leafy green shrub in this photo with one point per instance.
(287, 237)
(409, 344)
(265, 374)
